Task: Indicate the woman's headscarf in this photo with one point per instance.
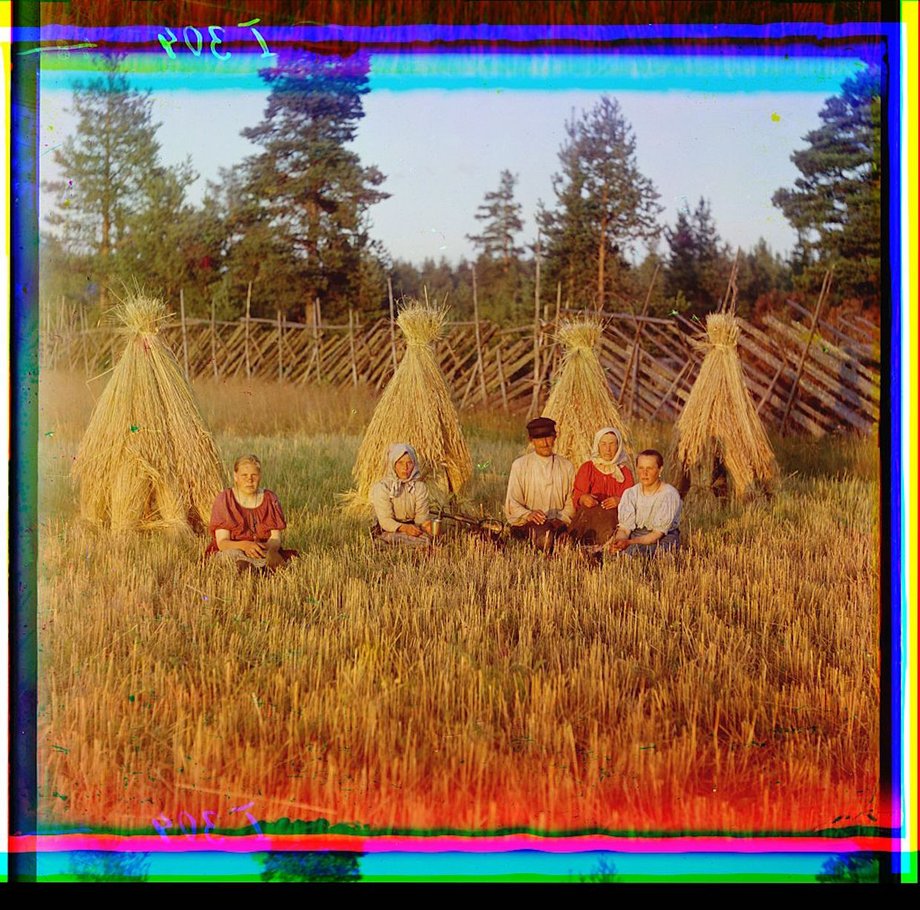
(393, 482)
(611, 466)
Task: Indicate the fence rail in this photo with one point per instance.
(649, 362)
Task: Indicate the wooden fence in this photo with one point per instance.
(813, 382)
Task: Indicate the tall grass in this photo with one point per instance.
(732, 687)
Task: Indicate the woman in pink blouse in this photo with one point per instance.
(599, 484)
(247, 521)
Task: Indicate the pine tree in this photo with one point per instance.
(106, 170)
(305, 192)
(604, 204)
(835, 205)
(502, 217)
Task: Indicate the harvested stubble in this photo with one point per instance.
(416, 408)
(147, 460)
(719, 419)
(472, 691)
(580, 401)
(725, 689)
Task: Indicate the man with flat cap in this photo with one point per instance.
(539, 503)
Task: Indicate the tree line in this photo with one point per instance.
(289, 225)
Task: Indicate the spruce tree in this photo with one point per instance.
(698, 263)
(762, 275)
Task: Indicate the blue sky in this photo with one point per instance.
(442, 127)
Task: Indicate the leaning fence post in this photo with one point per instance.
(213, 338)
(825, 289)
(392, 322)
(280, 353)
(184, 336)
(85, 341)
(479, 362)
(248, 302)
(535, 399)
(556, 352)
(351, 346)
(633, 351)
(501, 377)
(319, 346)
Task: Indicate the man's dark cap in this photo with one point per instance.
(540, 427)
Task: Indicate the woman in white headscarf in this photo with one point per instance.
(400, 500)
(599, 484)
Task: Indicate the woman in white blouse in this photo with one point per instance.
(649, 512)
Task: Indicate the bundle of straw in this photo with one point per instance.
(580, 401)
(146, 459)
(415, 408)
(719, 420)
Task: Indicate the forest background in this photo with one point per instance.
(293, 221)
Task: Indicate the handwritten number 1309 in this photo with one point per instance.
(161, 823)
(194, 41)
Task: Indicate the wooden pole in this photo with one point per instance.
(466, 391)
(248, 303)
(635, 346)
(72, 335)
(769, 392)
(280, 352)
(731, 291)
(65, 328)
(635, 380)
(60, 334)
(392, 321)
(184, 333)
(534, 401)
(351, 346)
(825, 288)
(670, 391)
(84, 339)
(214, 338)
(319, 345)
(59, 322)
(556, 325)
(501, 377)
(479, 364)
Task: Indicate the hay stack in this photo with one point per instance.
(719, 422)
(580, 401)
(146, 459)
(416, 408)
